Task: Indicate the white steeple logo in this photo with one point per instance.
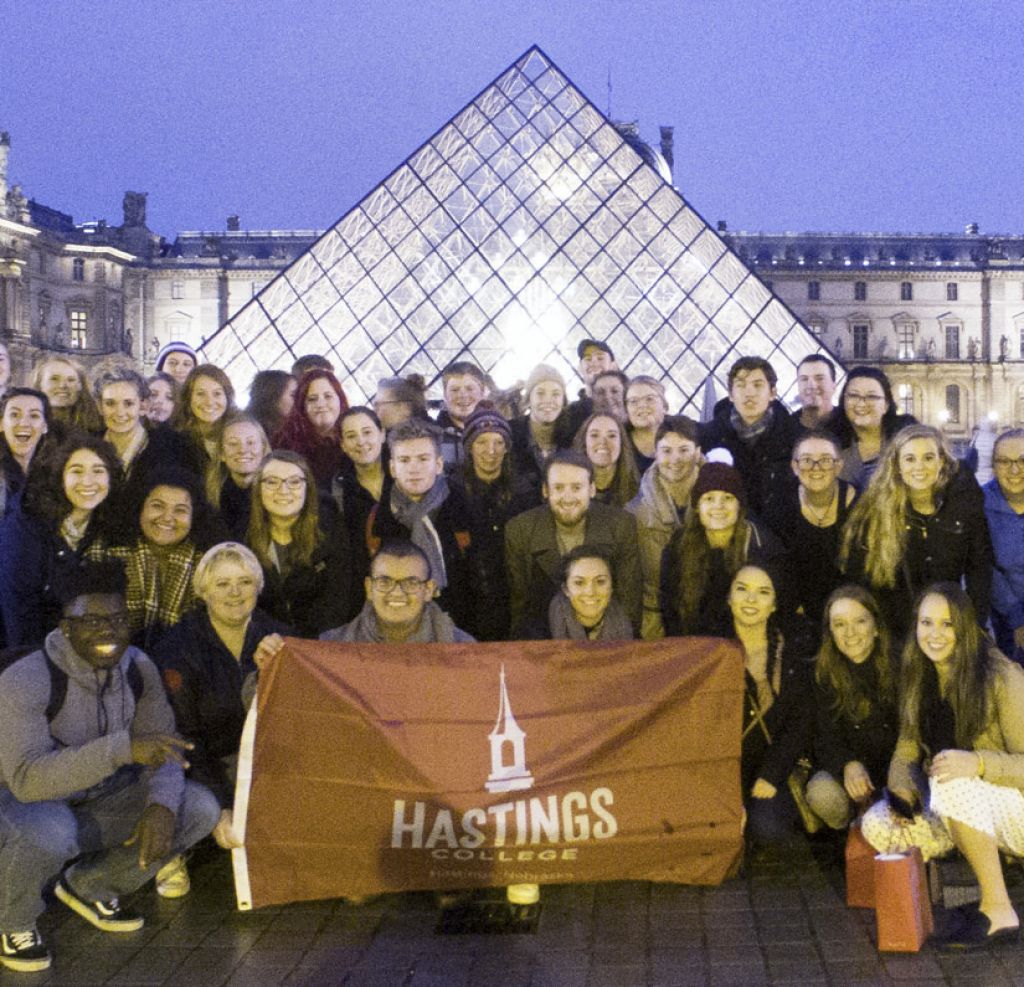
(507, 777)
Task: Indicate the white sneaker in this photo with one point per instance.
(523, 894)
(172, 880)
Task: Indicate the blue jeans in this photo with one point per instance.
(37, 838)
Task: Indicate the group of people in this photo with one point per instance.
(157, 543)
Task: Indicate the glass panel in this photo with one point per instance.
(523, 226)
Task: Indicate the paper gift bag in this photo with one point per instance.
(902, 907)
(860, 869)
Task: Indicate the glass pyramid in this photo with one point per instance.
(526, 224)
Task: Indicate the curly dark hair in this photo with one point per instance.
(44, 494)
(207, 529)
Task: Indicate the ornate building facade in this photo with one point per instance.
(941, 314)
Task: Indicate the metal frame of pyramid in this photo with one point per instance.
(524, 225)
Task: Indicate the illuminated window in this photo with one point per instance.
(905, 340)
(906, 291)
(79, 325)
(951, 291)
(813, 291)
(860, 342)
(817, 326)
(952, 342)
(905, 396)
(953, 403)
(78, 269)
(177, 289)
(860, 291)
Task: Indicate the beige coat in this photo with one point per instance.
(1001, 743)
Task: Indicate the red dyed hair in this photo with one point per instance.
(297, 433)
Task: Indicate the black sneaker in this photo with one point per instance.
(106, 915)
(24, 951)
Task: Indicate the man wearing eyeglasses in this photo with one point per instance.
(90, 768)
(1004, 509)
(400, 607)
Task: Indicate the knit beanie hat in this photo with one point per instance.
(485, 418)
(170, 348)
(542, 372)
(718, 476)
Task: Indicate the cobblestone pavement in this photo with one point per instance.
(783, 923)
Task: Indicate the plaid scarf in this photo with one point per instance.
(158, 595)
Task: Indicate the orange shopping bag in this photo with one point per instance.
(902, 906)
(860, 869)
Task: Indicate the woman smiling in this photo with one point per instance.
(172, 527)
(301, 545)
(604, 441)
(921, 520)
(960, 757)
(65, 511)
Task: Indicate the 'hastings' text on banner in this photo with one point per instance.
(376, 768)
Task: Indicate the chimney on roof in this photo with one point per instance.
(723, 226)
(5, 149)
(972, 229)
(234, 224)
(668, 147)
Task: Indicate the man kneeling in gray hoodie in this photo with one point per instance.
(90, 768)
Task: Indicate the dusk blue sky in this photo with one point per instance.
(898, 116)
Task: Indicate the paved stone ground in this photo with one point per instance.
(783, 923)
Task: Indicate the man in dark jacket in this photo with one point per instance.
(423, 509)
(536, 540)
(756, 428)
(90, 767)
(596, 358)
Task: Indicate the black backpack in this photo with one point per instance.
(59, 678)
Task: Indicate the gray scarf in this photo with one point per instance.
(751, 433)
(415, 515)
(436, 627)
(564, 626)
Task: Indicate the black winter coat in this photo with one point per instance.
(713, 617)
(204, 682)
(789, 719)
(33, 558)
(947, 546)
(319, 596)
(839, 740)
(764, 463)
(451, 522)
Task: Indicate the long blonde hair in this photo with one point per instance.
(878, 520)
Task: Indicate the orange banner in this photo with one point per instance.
(377, 768)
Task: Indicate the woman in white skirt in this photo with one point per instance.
(960, 757)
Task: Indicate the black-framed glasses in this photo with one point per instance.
(1008, 464)
(409, 585)
(809, 463)
(292, 483)
(872, 399)
(99, 622)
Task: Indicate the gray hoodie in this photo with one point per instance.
(90, 737)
